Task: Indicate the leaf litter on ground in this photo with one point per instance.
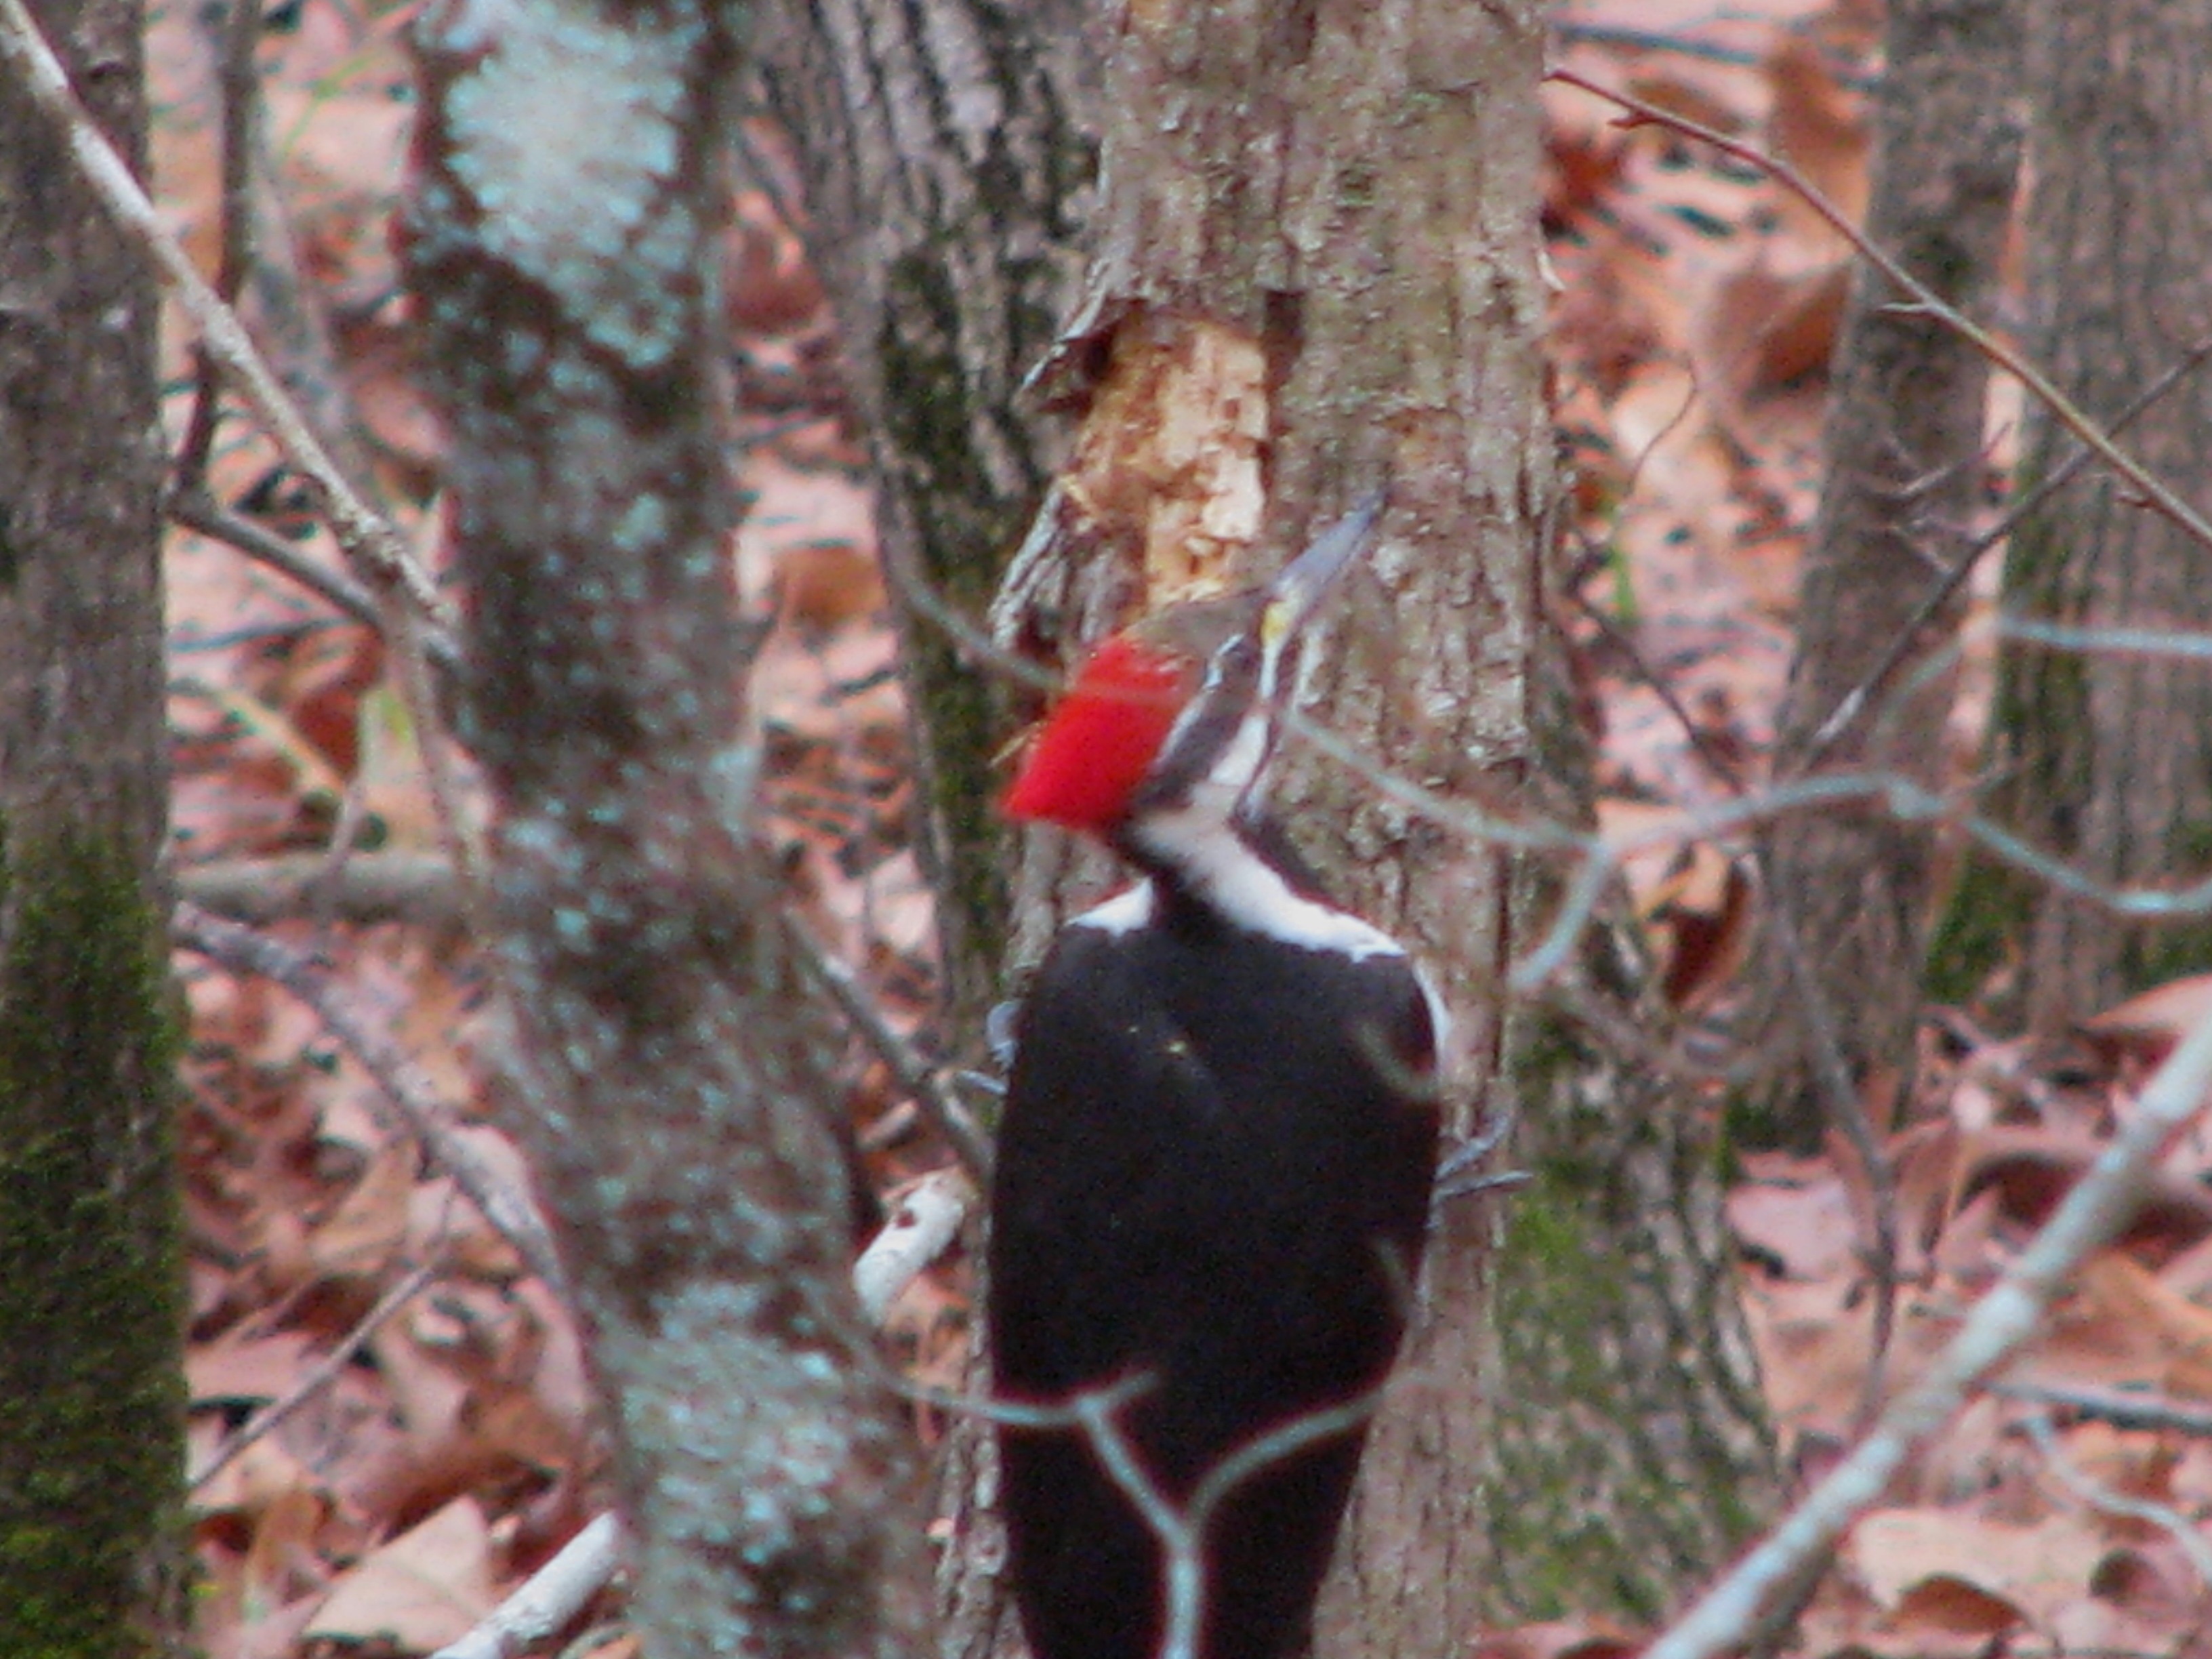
(453, 1452)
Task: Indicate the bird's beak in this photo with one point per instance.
(1296, 593)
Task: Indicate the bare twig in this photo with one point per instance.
(1700, 741)
(1861, 697)
(2123, 1408)
(408, 636)
(1845, 1106)
(318, 1377)
(2095, 1493)
(190, 506)
(234, 41)
(1181, 1527)
(2109, 641)
(923, 1224)
(367, 888)
(1593, 864)
(923, 1083)
(926, 1222)
(1924, 299)
(510, 1210)
(376, 886)
(2090, 1216)
(552, 1596)
(374, 547)
(1846, 1109)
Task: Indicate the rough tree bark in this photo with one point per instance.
(562, 224)
(949, 152)
(91, 1288)
(2101, 759)
(1904, 443)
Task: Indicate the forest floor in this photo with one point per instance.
(429, 1443)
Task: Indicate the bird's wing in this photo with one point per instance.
(1111, 1122)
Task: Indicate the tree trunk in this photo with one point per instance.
(1904, 443)
(948, 152)
(91, 1286)
(2100, 759)
(679, 1106)
(1316, 274)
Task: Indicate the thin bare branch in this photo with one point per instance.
(377, 550)
(923, 1224)
(2125, 1408)
(2077, 1480)
(234, 41)
(1924, 298)
(923, 1083)
(365, 889)
(2090, 1217)
(1845, 1109)
(192, 507)
(2109, 641)
(548, 1599)
(318, 1376)
(510, 1210)
(1855, 703)
(380, 886)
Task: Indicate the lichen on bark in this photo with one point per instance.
(677, 1068)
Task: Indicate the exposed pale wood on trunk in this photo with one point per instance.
(1314, 271)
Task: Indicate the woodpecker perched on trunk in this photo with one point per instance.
(1213, 1171)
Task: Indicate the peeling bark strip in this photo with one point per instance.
(566, 202)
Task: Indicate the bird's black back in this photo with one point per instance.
(1213, 1172)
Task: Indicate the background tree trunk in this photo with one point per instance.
(1904, 443)
(91, 1284)
(2100, 759)
(680, 1114)
(949, 150)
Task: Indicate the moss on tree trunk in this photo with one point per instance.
(2101, 759)
(91, 1294)
(91, 1401)
(1629, 1450)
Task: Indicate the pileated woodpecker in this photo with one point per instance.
(1213, 1171)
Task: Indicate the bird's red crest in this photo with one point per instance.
(1103, 738)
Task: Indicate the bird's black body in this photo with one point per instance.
(1214, 1173)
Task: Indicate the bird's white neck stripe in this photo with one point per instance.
(1222, 872)
(1284, 915)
